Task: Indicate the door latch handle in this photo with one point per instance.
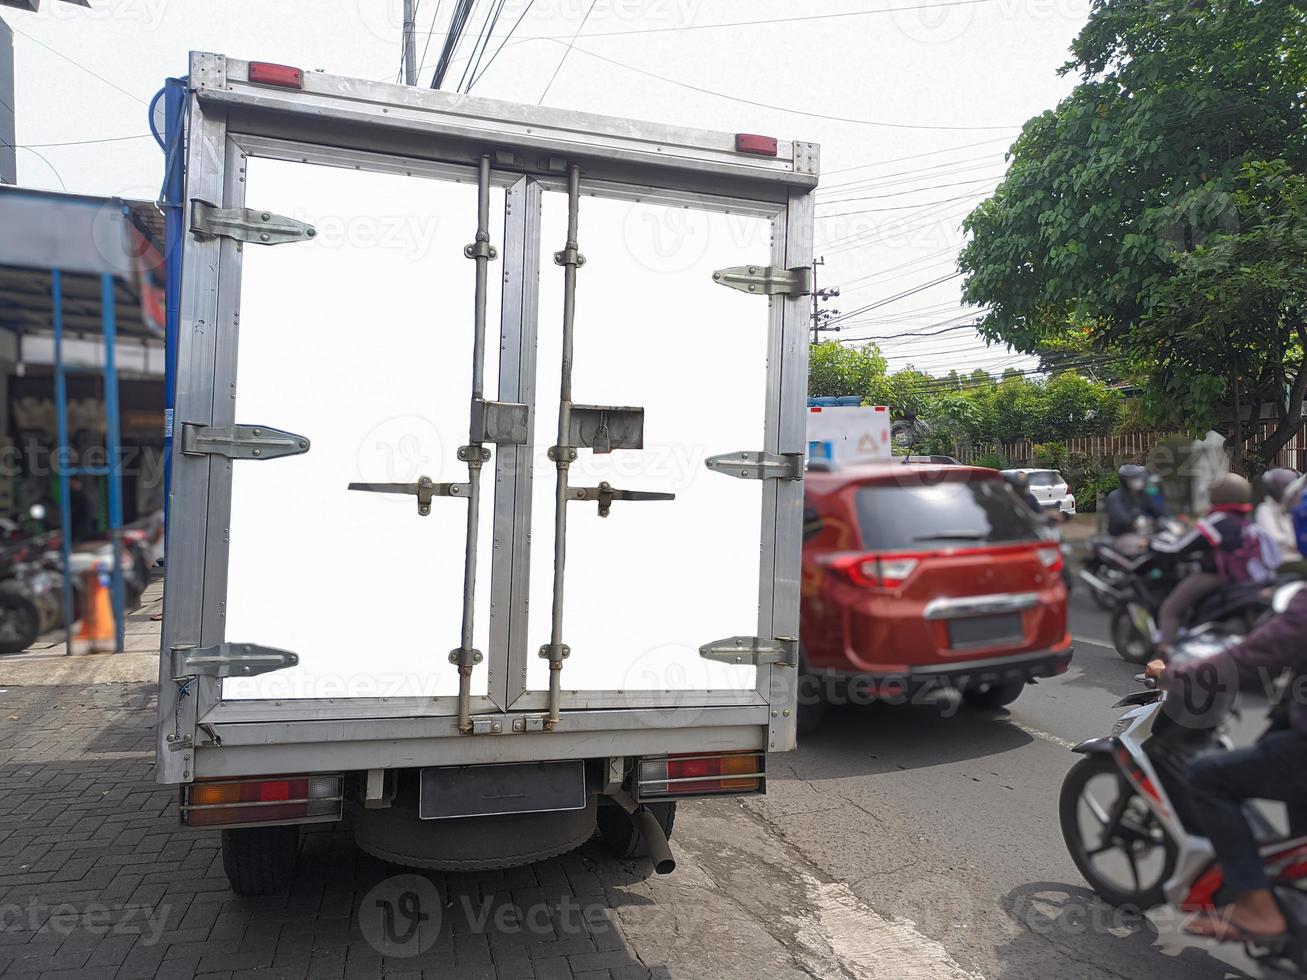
(605, 494)
(425, 490)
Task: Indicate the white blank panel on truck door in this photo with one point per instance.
(361, 340)
(648, 585)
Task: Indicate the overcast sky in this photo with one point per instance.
(914, 103)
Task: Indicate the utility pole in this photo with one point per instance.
(820, 316)
(410, 43)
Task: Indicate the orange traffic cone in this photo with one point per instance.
(97, 634)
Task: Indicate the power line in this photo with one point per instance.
(914, 156)
(904, 207)
(778, 108)
(430, 31)
(911, 176)
(895, 298)
(106, 139)
(41, 157)
(570, 44)
(78, 64)
(502, 43)
(453, 34)
(480, 44)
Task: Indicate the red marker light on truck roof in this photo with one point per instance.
(284, 76)
(763, 146)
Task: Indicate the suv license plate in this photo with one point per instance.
(484, 791)
(985, 631)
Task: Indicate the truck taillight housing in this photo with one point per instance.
(762, 146)
(701, 774)
(283, 76)
(262, 800)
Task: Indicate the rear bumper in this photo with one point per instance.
(913, 681)
(996, 670)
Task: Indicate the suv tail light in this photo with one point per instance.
(263, 800)
(874, 571)
(1051, 557)
(701, 774)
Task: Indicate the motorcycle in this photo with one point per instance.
(1111, 560)
(1148, 580)
(1129, 827)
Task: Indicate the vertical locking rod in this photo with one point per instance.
(569, 259)
(465, 656)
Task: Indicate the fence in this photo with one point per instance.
(1136, 445)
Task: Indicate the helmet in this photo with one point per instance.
(1133, 477)
(1019, 480)
(1276, 482)
(1231, 488)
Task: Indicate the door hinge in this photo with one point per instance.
(755, 465)
(752, 650)
(766, 280)
(229, 660)
(247, 225)
(605, 494)
(240, 441)
(425, 490)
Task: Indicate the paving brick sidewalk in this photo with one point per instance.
(98, 880)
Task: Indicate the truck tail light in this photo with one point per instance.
(262, 800)
(763, 146)
(283, 76)
(874, 571)
(1051, 558)
(701, 774)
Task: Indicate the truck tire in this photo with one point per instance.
(618, 831)
(260, 860)
(992, 695)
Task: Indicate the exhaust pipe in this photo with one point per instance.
(655, 841)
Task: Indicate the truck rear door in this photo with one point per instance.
(469, 437)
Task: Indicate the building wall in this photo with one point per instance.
(8, 154)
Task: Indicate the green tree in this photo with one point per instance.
(1129, 213)
(836, 370)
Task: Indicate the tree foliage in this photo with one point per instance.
(972, 411)
(1149, 218)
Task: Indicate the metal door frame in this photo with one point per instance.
(388, 128)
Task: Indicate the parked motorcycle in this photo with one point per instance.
(29, 590)
(1129, 827)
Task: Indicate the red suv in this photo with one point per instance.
(923, 577)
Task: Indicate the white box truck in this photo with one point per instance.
(847, 435)
(451, 549)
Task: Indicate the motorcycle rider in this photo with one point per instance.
(1273, 515)
(1131, 501)
(1229, 546)
(1272, 769)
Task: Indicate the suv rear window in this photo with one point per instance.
(1045, 478)
(952, 513)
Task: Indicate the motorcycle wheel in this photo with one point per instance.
(1131, 644)
(1127, 833)
(20, 622)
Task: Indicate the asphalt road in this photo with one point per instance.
(950, 824)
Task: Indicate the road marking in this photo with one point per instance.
(1093, 642)
(1066, 743)
(843, 935)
